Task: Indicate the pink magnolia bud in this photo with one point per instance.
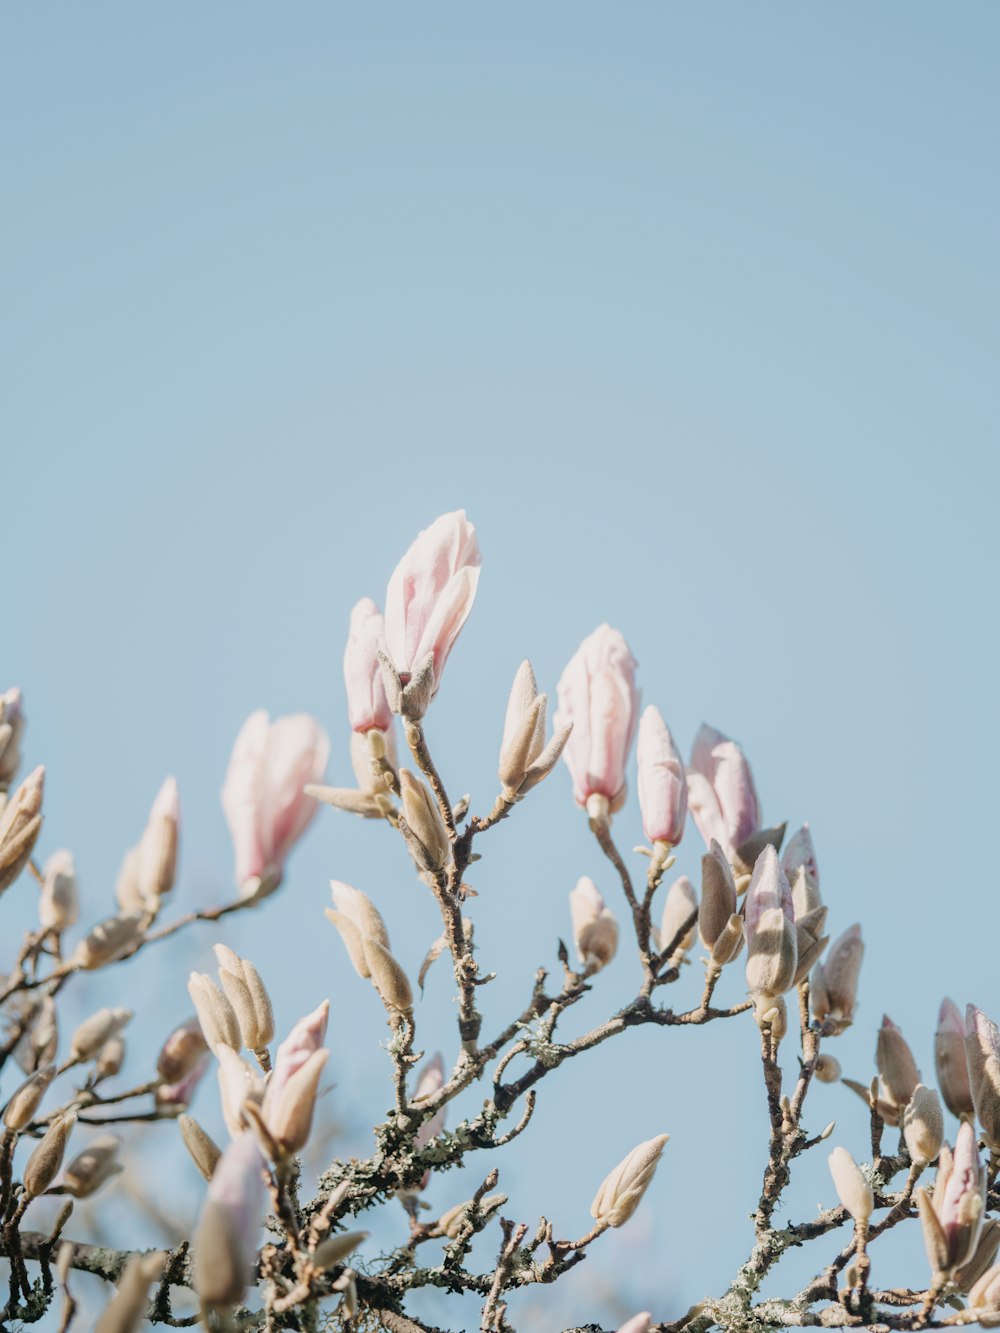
(950, 1062)
(367, 704)
(305, 1038)
(772, 947)
(982, 1052)
(263, 797)
(11, 735)
(896, 1065)
(722, 797)
(225, 1247)
(953, 1216)
(835, 982)
(595, 930)
(59, 906)
(800, 854)
(20, 825)
(177, 1096)
(662, 784)
(598, 696)
(430, 595)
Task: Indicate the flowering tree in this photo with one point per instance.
(310, 1266)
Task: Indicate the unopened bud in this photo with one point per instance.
(950, 1061)
(799, 864)
(248, 996)
(357, 919)
(451, 1222)
(205, 1152)
(110, 940)
(951, 1218)
(810, 942)
(181, 1051)
(238, 1084)
(896, 1065)
(226, 1239)
(91, 1035)
(20, 1110)
(427, 836)
(388, 978)
(110, 1058)
(639, 1323)
(853, 1189)
(834, 983)
(523, 731)
(679, 907)
(44, 1163)
(772, 955)
(335, 1249)
(37, 1048)
(718, 895)
(126, 1311)
(828, 1069)
(156, 864)
(219, 1024)
(290, 1121)
(982, 1050)
(58, 906)
(983, 1258)
(595, 930)
(20, 825)
(923, 1126)
(11, 735)
(621, 1192)
(93, 1167)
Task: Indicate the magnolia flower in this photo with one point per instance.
(428, 600)
(950, 1062)
(897, 1068)
(834, 984)
(772, 950)
(263, 796)
(982, 1052)
(598, 697)
(662, 784)
(367, 704)
(304, 1040)
(595, 930)
(722, 797)
(225, 1247)
(952, 1216)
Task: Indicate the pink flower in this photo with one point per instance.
(304, 1040)
(960, 1197)
(721, 793)
(367, 704)
(662, 784)
(597, 694)
(430, 595)
(772, 945)
(263, 796)
(226, 1242)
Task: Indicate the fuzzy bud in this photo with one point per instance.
(662, 784)
(595, 930)
(20, 825)
(982, 1051)
(923, 1125)
(834, 983)
(248, 996)
(952, 1217)
(219, 1023)
(426, 835)
(984, 1297)
(728, 946)
(357, 919)
(181, 1051)
(771, 1011)
(983, 1258)
(772, 951)
(388, 978)
(853, 1189)
(225, 1245)
(335, 1249)
(621, 1192)
(110, 940)
(950, 1062)
(205, 1152)
(679, 908)
(828, 1069)
(718, 895)
(599, 699)
(896, 1065)
(58, 905)
(110, 1058)
(44, 1163)
(93, 1167)
(126, 1311)
(20, 1110)
(156, 859)
(91, 1035)
(12, 722)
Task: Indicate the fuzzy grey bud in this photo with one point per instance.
(20, 1110)
(44, 1163)
(621, 1192)
(248, 996)
(93, 1167)
(923, 1126)
(20, 825)
(91, 1035)
(896, 1065)
(853, 1189)
(205, 1152)
(219, 1023)
(425, 830)
(718, 895)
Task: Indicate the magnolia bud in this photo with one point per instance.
(827, 1069)
(248, 996)
(952, 1217)
(595, 930)
(639, 1323)
(834, 983)
(852, 1187)
(662, 784)
(335, 1249)
(388, 978)
(58, 906)
(20, 1110)
(126, 1311)
(427, 836)
(896, 1064)
(91, 1035)
(923, 1126)
(718, 895)
(181, 1051)
(156, 863)
(357, 919)
(238, 1084)
(982, 1050)
(810, 941)
(110, 940)
(290, 1121)
(40, 1041)
(452, 1222)
(44, 1163)
(983, 1258)
(772, 955)
(93, 1167)
(799, 864)
(11, 734)
(225, 1244)
(205, 1152)
(110, 1058)
(219, 1024)
(172, 1098)
(679, 907)
(523, 731)
(950, 1062)
(20, 825)
(621, 1192)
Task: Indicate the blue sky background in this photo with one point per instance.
(694, 309)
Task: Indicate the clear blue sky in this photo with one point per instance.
(694, 309)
